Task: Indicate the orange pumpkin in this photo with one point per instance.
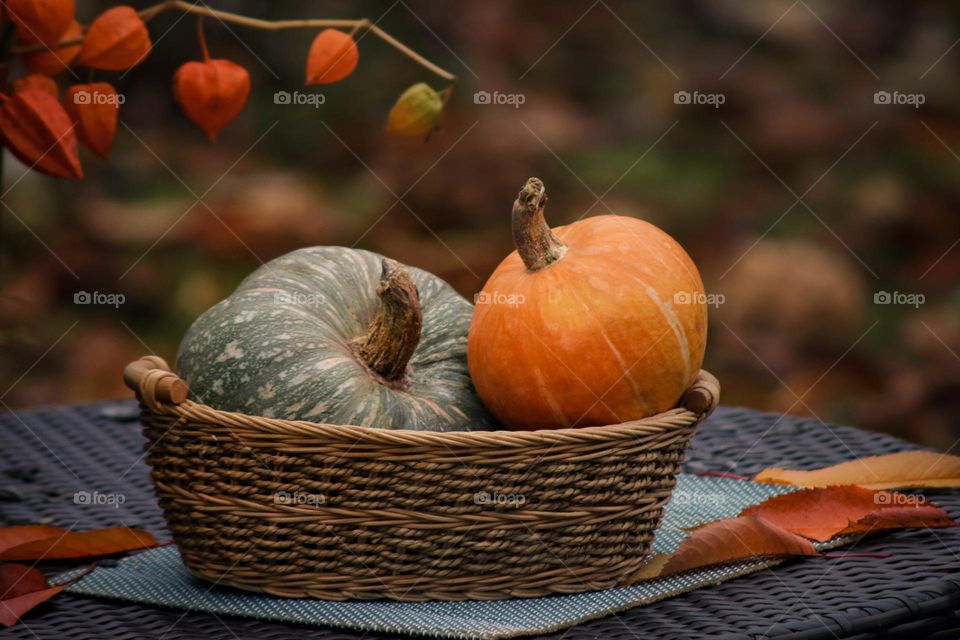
(598, 322)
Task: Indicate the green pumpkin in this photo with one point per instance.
(338, 336)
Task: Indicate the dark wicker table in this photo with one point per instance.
(46, 455)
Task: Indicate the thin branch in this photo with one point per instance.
(268, 25)
(410, 53)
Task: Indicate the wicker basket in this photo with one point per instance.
(341, 512)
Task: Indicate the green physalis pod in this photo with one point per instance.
(416, 112)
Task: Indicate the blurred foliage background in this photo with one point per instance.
(800, 197)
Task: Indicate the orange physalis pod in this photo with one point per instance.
(95, 109)
(37, 81)
(41, 21)
(116, 40)
(40, 134)
(211, 93)
(52, 61)
(333, 56)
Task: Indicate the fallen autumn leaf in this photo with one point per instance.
(824, 513)
(903, 470)
(725, 541)
(80, 544)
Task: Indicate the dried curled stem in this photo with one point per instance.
(536, 243)
(394, 334)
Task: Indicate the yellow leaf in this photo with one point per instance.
(903, 470)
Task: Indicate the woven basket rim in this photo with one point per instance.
(163, 391)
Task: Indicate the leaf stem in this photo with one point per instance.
(75, 579)
(203, 39)
(723, 474)
(269, 25)
(858, 554)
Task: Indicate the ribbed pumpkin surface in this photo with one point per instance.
(614, 330)
(283, 345)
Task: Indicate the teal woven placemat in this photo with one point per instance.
(158, 577)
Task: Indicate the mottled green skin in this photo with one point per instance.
(279, 347)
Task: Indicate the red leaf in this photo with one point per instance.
(333, 56)
(81, 544)
(723, 542)
(211, 93)
(95, 108)
(117, 40)
(41, 20)
(39, 132)
(901, 517)
(56, 59)
(12, 536)
(17, 579)
(13, 609)
(37, 81)
(821, 514)
(735, 539)
(22, 588)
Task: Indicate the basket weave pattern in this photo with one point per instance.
(345, 512)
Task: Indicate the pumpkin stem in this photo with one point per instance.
(395, 331)
(536, 243)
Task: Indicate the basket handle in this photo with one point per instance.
(702, 397)
(153, 381)
(151, 378)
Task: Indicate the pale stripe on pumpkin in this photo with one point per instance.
(666, 309)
